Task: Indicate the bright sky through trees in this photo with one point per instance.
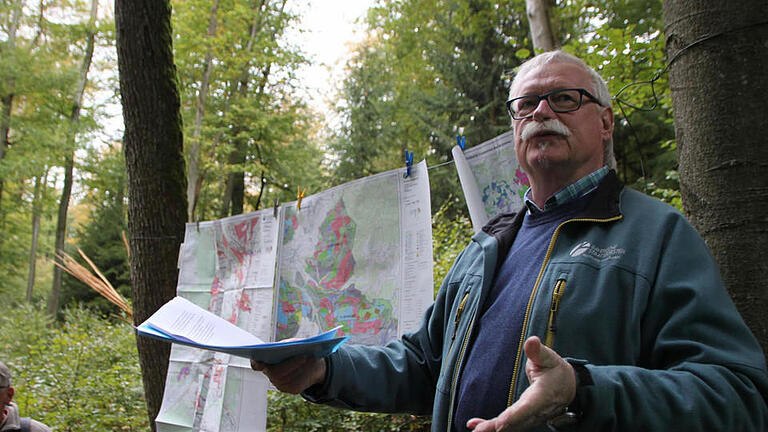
(327, 31)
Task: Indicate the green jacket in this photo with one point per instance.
(628, 286)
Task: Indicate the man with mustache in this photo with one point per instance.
(595, 308)
(9, 411)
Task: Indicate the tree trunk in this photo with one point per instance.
(6, 101)
(37, 210)
(154, 160)
(718, 53)
(541, 27)
(5, 128)
(194, 177)
(262, 186)
(61, 233)
(234, 189)
(69, 162)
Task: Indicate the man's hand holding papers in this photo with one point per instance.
(181, 321)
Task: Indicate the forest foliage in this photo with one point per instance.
(427, 71)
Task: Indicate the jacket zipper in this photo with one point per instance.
(548, 255)
(458, 315)
(557, 294)
(460, 355)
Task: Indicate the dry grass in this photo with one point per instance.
(97, 281)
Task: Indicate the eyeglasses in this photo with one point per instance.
(560, 101)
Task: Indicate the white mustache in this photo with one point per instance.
(553, 126)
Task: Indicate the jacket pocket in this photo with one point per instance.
(557, 295)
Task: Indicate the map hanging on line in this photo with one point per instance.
(227, 268)
(358, 255)
(491, 178)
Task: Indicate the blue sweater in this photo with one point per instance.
(502, 318)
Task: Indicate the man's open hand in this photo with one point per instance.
(553, 387)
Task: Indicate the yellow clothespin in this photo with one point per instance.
(299, 196)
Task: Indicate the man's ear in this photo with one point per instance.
(606, 123)
(11, 392)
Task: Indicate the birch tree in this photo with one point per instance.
(539, 19)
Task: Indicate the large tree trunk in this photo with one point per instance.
(542, 34)
(157, 206)
(719, 87)
(69, 162)
(194, 176)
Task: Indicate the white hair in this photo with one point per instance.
(599, 90)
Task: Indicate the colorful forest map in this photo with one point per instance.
(227, 267)
(321, 283)
(503, 196)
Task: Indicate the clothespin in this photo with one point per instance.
(461, 141)
(299, 197)
(408, 163)
(197, 225)
(274, 208)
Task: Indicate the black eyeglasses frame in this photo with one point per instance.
(545, 96)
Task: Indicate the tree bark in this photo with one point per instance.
(154, 160)
(69, 160)
(718, 55)
(542, 34)
(194, 176)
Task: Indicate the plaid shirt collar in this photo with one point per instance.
(569, 193)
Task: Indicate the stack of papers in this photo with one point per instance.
(181, 321)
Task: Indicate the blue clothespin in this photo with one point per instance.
(461, 141)
(408, 163)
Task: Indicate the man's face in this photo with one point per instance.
(551, 152)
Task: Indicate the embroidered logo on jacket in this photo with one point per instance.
(597, 253)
